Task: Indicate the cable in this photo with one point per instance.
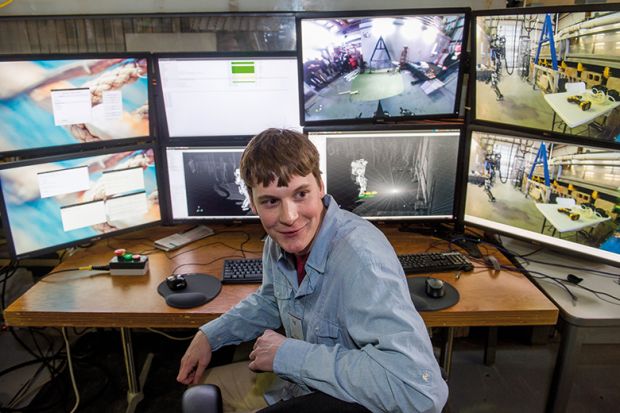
(71, 373)
(204, 263)
(168, 335)
(6, 3)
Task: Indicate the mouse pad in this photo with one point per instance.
(201, 288)
(422, 302)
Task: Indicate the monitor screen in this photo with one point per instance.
(397, 65)
(562, 194)
(552, 71)
(208, 96)
(50, 102)
(396, 174)
(62, 201)
(204, 183)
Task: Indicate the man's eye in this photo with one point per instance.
(302, 194)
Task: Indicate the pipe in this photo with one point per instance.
(609, 156)
(596, 23)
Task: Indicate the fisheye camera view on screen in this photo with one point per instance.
(59, 202)
(382, 66)
(393, 175)
(46, 103)
(206, 183)
(555, 71)
(562, 194)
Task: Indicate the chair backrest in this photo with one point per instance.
(575, 87)
(565, 202)
(202, 398)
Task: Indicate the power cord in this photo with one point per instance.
(71, 373)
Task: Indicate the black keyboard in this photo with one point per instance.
(429, 262)
(243, 270)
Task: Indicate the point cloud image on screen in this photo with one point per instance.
(391, 175)
(60, 202)
(206, 183)
(46, 103)
(555, 72)
(375, 67)
(562, 194)
(229, 96)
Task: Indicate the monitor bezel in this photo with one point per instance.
(420, 127)
(239, 142)
(522, 234)
(87, 146)
(473, 59)
(76, 155)
(207, 140)
(367, 122)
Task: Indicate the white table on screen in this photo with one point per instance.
(571, 114)
(562, 222)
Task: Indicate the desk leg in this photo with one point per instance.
(565, 369)
(490, 347)
(134, 383)
(445, 361)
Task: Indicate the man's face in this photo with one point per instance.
(291, 214)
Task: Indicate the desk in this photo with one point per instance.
(571, 114)
(91, 299)
(562, 222)
(589, 320)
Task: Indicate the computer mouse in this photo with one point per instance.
(176, 282)
(434, 287)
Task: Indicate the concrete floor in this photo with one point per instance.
(511, 206)
(516, 382)
(350, 97)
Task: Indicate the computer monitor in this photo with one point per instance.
(553, 70)
(50, 102)
(214, 95)
(56, 202)
(392, 174)
(374, 66)
(204, 183)
(564, 195)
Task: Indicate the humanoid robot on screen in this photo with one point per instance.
(381, 66)
(550, 71)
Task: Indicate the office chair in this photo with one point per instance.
(207, 398)
(203, 398)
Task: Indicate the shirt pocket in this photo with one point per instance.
(282, 291)
(327, 332)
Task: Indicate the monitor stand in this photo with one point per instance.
(470, 246)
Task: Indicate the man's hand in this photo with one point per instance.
(265, 349)
(195, 360)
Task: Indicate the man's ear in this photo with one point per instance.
(252, 206)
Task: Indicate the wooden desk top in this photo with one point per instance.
(97, 299)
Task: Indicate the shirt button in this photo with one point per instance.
(426, 376)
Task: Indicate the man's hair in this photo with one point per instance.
(278, 154)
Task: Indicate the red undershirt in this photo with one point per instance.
(301, 263)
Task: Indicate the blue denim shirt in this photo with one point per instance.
(363, 340)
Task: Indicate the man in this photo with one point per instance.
(334, 283)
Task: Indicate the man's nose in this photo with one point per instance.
(288, 212)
